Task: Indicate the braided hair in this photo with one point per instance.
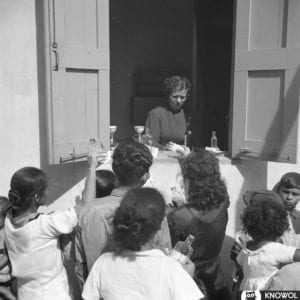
(26, 185)
(138, 218)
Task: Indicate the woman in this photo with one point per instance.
(204, 215)
(167, 125)
(138, 270)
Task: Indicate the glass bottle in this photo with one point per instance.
(112, 130)
(182, 251)
(97, 146)
(213, 140)
(93, 145)
(188, 139)
(188, 133)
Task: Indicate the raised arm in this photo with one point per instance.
(89, 191)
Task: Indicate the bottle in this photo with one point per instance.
(182, 251)
(93, 145)
(188, 139)
(188, 133)
(213, 140)
(98, 147)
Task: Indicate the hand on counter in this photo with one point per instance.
(182, 150)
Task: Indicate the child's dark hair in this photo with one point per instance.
(4, 206)
(105, 183)
(138, 218)
(266, 220)
(290, 180)
(131, 160)
(26, 185)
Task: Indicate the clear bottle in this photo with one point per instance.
(93, 145)
(188, 139)
(213, 140)
(182, 251)
(188, 133)
(98, 147)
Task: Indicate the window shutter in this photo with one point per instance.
(266, 80)
(78, 70)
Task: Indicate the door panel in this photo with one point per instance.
(79, 96)
(265, 102)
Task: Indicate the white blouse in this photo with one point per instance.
(36, 257)
(140, 275)
(260, 265)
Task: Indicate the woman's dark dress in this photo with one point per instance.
(209, 232)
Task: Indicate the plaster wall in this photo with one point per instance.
(19, 114)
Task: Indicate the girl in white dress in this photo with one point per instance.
(265, 221)
(32, 238)
(138, 270)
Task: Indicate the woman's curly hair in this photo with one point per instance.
(266, 220)
(138, 218)
(206, 189)
(131, 160)
(176, 83)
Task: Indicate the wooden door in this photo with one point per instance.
(78, 82)
(266, 78)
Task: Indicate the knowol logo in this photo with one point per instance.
(251, 295)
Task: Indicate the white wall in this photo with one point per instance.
(19, 119)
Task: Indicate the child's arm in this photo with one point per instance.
(89, 191)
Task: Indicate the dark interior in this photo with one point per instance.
(151, 40)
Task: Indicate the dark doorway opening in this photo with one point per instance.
(212, 70)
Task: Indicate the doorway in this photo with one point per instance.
(212, 71)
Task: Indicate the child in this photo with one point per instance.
(289, 190)
(250, 198)
(138, 270)
(264, 221)
(32, 238)
(105, 183)
(5, 274)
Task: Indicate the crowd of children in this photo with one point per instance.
(31, 260)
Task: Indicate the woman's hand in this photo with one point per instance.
(189, 266)
(174, 147)
(183, 150)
